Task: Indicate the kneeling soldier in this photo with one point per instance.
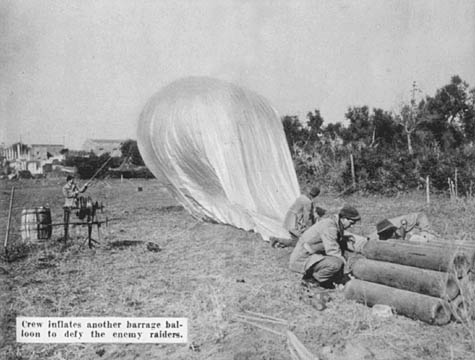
(318, 255)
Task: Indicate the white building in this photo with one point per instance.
(102, 146)
(32, 157)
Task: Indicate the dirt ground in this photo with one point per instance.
(208, 273)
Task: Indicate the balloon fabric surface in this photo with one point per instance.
(222, 153)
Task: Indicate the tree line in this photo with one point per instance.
(392, 151)
(128, 165)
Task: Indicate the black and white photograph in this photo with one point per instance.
(237, 179)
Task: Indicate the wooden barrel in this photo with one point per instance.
(36, 224)
(28, 225)
(43, 216)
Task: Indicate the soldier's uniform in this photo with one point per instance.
(300, 216)
(70, 192)
(318, 252)
(412, 227)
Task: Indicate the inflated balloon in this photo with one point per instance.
(221, 151)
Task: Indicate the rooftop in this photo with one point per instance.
(106, 140)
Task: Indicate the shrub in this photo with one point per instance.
(87, 165)
(441, 167)
(388, 171)
(383, 170)
(137, 172)
(322, 164)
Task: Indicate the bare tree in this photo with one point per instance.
(411, 115)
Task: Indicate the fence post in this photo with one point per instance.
(427, 190)
(449, 182)
(456, 184)
(353, 177)
(9, 221)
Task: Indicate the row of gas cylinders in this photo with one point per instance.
(431, 282)
(36, 224)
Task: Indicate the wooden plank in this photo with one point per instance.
(7, 234)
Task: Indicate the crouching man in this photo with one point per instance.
(318, 255)
(302, 214)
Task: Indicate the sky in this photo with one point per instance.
(77, 69)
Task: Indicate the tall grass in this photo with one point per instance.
(208, 273)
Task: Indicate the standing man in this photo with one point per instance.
(70, 192)
(318, 255)
(301, 215)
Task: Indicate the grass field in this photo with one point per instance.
(209, 273)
